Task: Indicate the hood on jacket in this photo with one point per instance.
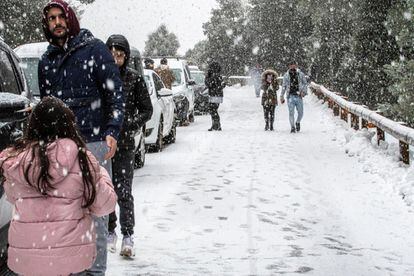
(271, 72)
(71, 19)
(120, 42)
(62, 155)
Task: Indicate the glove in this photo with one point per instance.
(282, 100)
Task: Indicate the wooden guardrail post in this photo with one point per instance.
(364, 123)
(404, 153)
(380, 135)
(354, 121)
(336, 110)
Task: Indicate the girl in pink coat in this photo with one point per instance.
(55, 185)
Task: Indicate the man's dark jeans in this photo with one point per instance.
(123, 174)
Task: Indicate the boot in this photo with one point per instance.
(111, 242)
(267, 126)
(271, 126)
(292, 130)
(127, 247)
(297, 127)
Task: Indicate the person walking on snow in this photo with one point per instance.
(138, 110)
(270, 87)
(80, 70)
(214, 83)
(295, 86)
(55, 185)
(256, 75)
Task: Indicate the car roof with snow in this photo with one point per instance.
(172, 62)
(31, 50)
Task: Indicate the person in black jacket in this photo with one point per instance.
(214, 83)
(138, 110)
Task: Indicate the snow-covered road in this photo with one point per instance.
(248, 202)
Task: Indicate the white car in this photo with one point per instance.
(29, 55)
(182, 88)
(161, 128)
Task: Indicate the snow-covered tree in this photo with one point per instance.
(329, 47)
(225, 36)
(400, 24)
(20, 20)
(374, 48)
(278, 32)
(199, 54)
(161, 43)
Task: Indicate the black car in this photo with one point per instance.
(14, 103)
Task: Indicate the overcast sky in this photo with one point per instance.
(137, 18)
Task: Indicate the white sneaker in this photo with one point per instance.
(111, 242)
(127, 248)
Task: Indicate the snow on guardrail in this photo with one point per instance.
(402, 133)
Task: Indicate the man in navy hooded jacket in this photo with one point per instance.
(80, 70)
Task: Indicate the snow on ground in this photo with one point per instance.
(248, 202)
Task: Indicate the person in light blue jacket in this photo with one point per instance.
(295, 86)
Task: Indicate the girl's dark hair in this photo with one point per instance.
(51, 120)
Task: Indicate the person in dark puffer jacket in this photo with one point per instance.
(138, 110)
(269, 97)
(214, 83)
(80, 70)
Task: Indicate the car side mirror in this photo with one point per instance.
(164, 92)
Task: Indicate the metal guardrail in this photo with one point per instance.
(358, 116)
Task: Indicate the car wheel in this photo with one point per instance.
(140, 154)
(159, 144)
(170, 139)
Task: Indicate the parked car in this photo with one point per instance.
(14, 102)
(161, 128)
(200, 93)
(182, 88)
(193, 68)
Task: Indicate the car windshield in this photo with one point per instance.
(198, 77)
(177, 74)
(29, 66)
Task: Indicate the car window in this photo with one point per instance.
(177, 74)
(198, 78)
(29, 66)
(157, 82)
(8, 82)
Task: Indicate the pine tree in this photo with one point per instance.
(225, 36)
(20, 20)
(329, 47)
(278, 32)
(161, 43)
(401, 72)
(374, 48)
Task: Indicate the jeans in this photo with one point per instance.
(99, 149)
(215, 117)
(257, 87)
(123, 175)
(295, 102)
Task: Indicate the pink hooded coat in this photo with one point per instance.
(53, 234)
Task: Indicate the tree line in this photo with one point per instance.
(361, 48)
